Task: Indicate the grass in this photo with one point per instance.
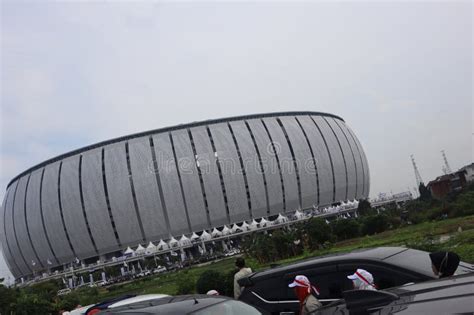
(420, 236)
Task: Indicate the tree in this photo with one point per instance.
(425, 194)
(365, 208)
(318, 232)
(8, 298)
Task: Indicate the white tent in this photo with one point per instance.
(162, 245)
(183, 241)
(226, 230)
(140, 250)
(205, 236)
(236, 229)
(129, 251)
(281, 219)
(151, 248)
(253, 225)
(216, 233)
(173, 242)
(263, 222)
(299, 215)
(194, 236)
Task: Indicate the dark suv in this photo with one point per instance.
(390, 266)
(452, 295)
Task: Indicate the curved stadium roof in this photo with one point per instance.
(178, 180)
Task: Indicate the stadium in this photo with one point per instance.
(92, 203)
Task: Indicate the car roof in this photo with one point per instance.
(180, 304)
(138, 298)
(376, 254)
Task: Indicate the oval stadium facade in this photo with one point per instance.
(164, 183)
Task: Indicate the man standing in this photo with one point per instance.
(243, 271)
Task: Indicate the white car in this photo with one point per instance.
(135, 299)
(64, 291)
(159, 269)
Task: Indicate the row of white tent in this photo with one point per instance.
(215, 233)
(206, 236)
(343, 206)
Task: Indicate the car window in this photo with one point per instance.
(271, 289)
(229, 307)
(325, 278)
(329, 285)
(384, 276)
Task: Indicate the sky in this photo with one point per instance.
(398, 72)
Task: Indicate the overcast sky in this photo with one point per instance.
(399, 73)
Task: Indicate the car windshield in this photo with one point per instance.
(420, 261)
(228, 308)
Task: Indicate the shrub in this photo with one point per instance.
(210, 280)
(374, 224)
(345, 229)
(185, 285)
(31, 303)
(229, 284)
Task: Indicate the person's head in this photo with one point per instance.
(212, 292)
(444, 264)
(362, 280)
(240, 263)
(302, 287)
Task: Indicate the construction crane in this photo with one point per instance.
(417, 173)
(446, 169)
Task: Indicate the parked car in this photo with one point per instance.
(390, 266)
(101, 283)
(63, 291)
(452, 295)
(186, 304)
(159, 269)
(114, 303)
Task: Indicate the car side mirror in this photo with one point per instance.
(360, 301)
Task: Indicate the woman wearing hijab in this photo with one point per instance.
(444, 264)
(304, 292)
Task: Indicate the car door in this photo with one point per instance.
(267, 293)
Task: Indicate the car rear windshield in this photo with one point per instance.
(420, 261)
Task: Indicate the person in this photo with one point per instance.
(304, 292)
(212, 292)
(243, 271)
(362, 280)
(444, 264)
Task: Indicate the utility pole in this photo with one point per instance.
(446, 168)
(417, 173)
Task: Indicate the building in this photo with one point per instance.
(443, 185)
(469, 169)
(92, 203)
